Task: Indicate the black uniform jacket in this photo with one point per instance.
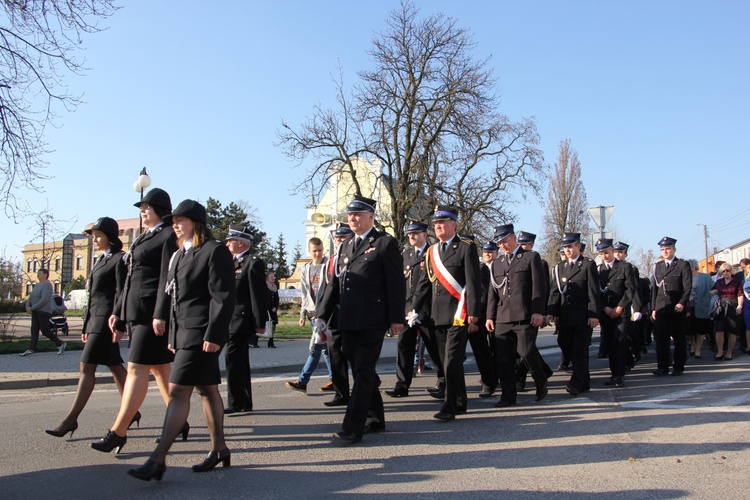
(574, 293)
(619, 287)
(147, 258)
(461, 261)
(522, 288)
(671, 286)
(202, 295)
(251, 306)
(104, 285)
(414, 269)
(369, 288)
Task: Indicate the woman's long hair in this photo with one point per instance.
(201, 234)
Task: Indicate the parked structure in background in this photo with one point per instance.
(732, 254)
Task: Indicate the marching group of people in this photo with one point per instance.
(182, 296)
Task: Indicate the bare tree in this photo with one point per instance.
(566, 201)
(50, 230)
(427, 111)
(38, 45)
(644, 261)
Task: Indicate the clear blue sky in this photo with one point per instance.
(653, 96)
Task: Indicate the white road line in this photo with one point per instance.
(668, 401)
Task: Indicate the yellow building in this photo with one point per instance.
(68, 259)
(324, 216)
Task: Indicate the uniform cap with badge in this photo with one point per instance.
(237, 232)
(343, 231)
(490, 247)
(667, 242)
(502, 232)
(619, 246)
(571, 239)
(415, 227)
(603, 244)
(525, 238)
(361, 204)
(445, 212)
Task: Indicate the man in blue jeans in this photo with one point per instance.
(310, 283)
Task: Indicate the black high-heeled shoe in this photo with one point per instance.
(109, 442)
(184, 433)
(137, 419)
(61, 433)
(213, 459)
(148, 471)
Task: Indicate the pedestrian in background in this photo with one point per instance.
(39, 305)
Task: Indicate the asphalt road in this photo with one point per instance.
(668, 437)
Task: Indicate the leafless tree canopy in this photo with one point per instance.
(427, 109)
(566, 209)
(39, 40)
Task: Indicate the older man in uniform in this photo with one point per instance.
(368, 288)
(574, 307)
(249, 317)
(414, 262)
(515, 311)
(671, 283)
(453, 277)
(619, 294)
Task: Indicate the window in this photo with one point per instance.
(36, 265)
(57, 263)
(29, 286)
(57, 288)
(28, 266)
(79, 262)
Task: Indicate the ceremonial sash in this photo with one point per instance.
(449, 282)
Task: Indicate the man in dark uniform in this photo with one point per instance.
(527, 240)
(574, 307)
(249, 317)
(640, 314)
(453, 277)
(479, 340)
(339, 364)
(515, 311)
(619, 293)
(414, 263)
(671, 282)
(368, 288)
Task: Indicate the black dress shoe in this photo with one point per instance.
(397, 392)
(571, 390)
(504, 403)
(541, 392)
(460, 410)
(437, 394)
(486, 392)
(214, 458)
(444, 416)
(337, 402)
(676, 372)
(61, 431)
(347, 436)
(374, 426)
(660, 373)
(109, 442)
(619, 382)
(148, 471)
(520, 388)
(229, 410)
(563, 368)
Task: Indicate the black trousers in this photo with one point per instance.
(517, 338)
(406, 350)
(339, 367)
(40, 321)
(362, 350)
(451, 342)
(239, 388)
(615, 335)
(574, 341)
(483, 356)
(666, 327)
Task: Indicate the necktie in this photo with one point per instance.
(416, 254)
(357, 241)
(442, 247)
(508, 257)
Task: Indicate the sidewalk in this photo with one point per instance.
(49, 369)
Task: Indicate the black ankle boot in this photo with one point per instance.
(109, 442)
(213, 459)
(148, 471)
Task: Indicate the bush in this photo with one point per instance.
(12, 307)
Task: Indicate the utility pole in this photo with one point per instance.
(705, 241)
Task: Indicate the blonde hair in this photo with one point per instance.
(724, 267)
(201, 234)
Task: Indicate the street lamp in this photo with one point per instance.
(141, 183)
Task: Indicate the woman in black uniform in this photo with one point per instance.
(101, 346)
(137, 307)
(199, 284)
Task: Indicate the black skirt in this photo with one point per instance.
(194, 367)
(146, 348)
(100, 350)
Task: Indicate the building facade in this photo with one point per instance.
(69, 258)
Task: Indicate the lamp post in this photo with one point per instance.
(141, 183)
